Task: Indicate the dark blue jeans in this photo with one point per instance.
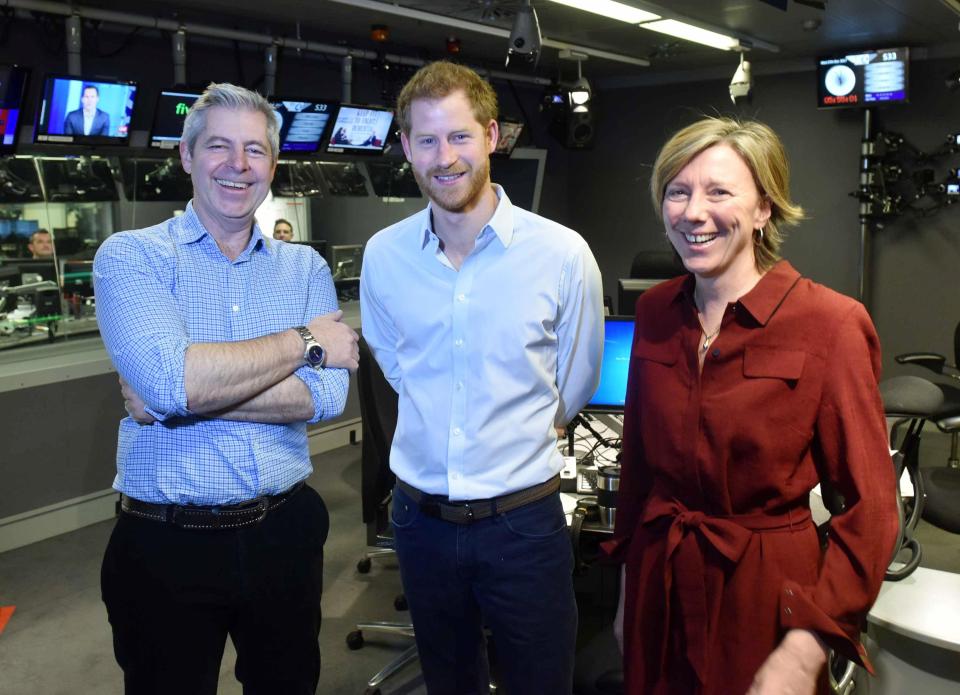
(173, 595)
(511, 573)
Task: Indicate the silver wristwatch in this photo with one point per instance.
(313, 352)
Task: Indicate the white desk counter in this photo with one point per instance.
(913, 636)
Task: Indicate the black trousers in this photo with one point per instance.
(173, 596)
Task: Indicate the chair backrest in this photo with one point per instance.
(956, 346)
(378, 409)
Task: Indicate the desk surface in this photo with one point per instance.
(925, 606)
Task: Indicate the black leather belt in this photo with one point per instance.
(468, 511)
(228, 516)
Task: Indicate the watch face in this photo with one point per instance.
(315, 355)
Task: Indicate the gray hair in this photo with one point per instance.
(229, 96)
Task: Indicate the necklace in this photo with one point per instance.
(707, 337)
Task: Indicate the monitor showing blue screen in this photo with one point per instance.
(90, 112)
(617, 344)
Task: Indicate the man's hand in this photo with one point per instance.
(134, 405)
(338, 340)
(792, 668)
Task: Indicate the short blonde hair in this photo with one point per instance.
(440, 79)
(764, 154)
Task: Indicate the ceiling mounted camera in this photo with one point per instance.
(525, 39)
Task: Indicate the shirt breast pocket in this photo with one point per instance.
(761, 362)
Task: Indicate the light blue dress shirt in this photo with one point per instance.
(162, 288)
(487, 359)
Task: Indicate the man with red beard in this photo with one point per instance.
(488, 321)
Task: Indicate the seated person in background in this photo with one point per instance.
(88, 119)
(749, 384)
(41, 244)
(283, 230)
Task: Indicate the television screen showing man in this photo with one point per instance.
(88, 119)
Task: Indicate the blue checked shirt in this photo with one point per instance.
(162, 288)
(486, 359)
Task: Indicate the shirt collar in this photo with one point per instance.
(501, 223)
(766, 296)
(187, 228)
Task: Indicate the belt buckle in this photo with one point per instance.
(468, 513)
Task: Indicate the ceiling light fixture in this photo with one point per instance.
(689, 32)
(666, 22)
(611, 9)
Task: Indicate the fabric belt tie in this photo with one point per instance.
(728, 535)
(468, 511)
(232, 516)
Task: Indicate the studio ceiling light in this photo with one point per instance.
(688, 32)
(666, 23)
(611, 9)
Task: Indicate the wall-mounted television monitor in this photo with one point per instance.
(360, 130)
(171, 110)
(611, 394)
(510, 132)
(303, 123)
(81, 111)
(864, 78)
(13, 82)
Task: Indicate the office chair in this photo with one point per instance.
(942, 485)
(649, 268)
(378, 410)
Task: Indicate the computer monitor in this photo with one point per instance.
(85, 111)
(345, 260)
(78, 278)
(303, 123)
(611, 394)
(33, 268)
(360, 130)
(13, 82)
(863, 78)
(168, 117)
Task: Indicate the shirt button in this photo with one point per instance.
(459, 386)
(458, 342)
(461, 297)
(456, 476)
(235, 307)
(716, 352)
(457, 431)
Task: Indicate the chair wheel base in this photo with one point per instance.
(363, 566)
(355, 640)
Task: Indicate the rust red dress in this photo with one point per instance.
(713, 519)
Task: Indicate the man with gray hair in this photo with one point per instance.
(218, 534)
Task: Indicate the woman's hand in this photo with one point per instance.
(618, 620)
(792, 668)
